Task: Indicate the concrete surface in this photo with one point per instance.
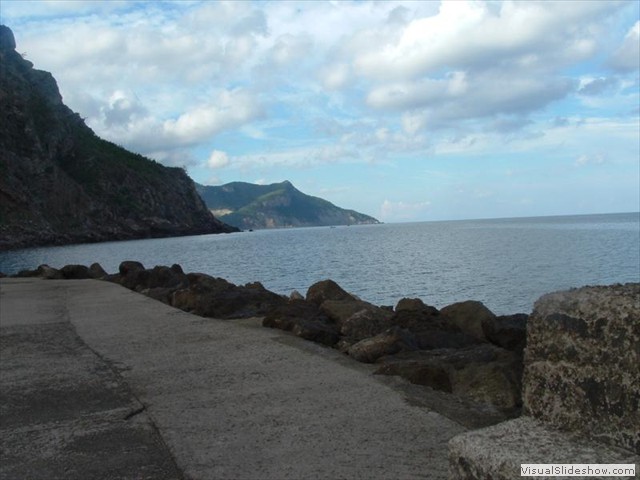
(98, 382)
(497, 452)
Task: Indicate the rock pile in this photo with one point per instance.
(462, 349)
(581, 389)
(196, 293)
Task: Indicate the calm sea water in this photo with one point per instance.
(505, 263)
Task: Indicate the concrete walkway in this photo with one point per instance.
(98, 382)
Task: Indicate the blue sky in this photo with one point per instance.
(406, 111)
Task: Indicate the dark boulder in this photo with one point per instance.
(129, 266)
(27, 273)
(43, 271)
(166, 277)
(215, 297)
(484, 372)
(507, 331)
(303, 319)
(96, 271)
(416, 305)
(339, 311)
(161, 294)
(391, 341)
(366, 323)
(296, 295)
(428, 339)
(327, 290)
(430, 328)
(469, 316)
(75, 272)
(316, 332)
(132, 274)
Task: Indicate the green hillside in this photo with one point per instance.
(60, 183)
(278, 205)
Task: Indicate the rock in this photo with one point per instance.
(162, 294)
(7, 40)
(431, 329)
(327, 290)
(75, 272)
(175, 268)
(45, 271)
(391, 341)
(507, 331)
(132, 275)
(215, 297)
(366, 323)
(469, 316)
(26, 274)
(96, 271)
(63, 184)
(166, 277)
(581, 394)
(483, 372)
(344, 344)
(582, 363)
(129, 266)
(296, 295)
(316, 332)
(339, 311)
(305, 320)
(415, 305)
(428, 339)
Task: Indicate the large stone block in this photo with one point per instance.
(497, 452)
(582, 363)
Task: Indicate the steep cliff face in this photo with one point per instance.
(60, 183)
(246, 205)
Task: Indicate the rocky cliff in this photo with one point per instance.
(60, 183)
(247, 206)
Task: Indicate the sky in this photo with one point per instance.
(406, 111)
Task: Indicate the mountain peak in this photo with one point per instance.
(61, 183)
(250, 206)
(7, 40)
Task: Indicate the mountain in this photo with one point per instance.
(60, 183)
(249, 206)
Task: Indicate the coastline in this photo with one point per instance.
(291, 390)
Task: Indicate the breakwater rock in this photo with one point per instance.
(463, 349)
(581, 389)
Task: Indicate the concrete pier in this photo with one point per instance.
(98, 382)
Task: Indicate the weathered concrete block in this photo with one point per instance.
(497, 452)
(582, 363)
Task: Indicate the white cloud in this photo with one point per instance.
(597, 86)
(122, 108)
(402, 211)
(465, 35)
(590, 159)
(335, 76)
(627, 56)
(290, 48)
(218, 159)
(397, 79)
(229, 109)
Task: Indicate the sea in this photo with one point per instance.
(505, 263)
